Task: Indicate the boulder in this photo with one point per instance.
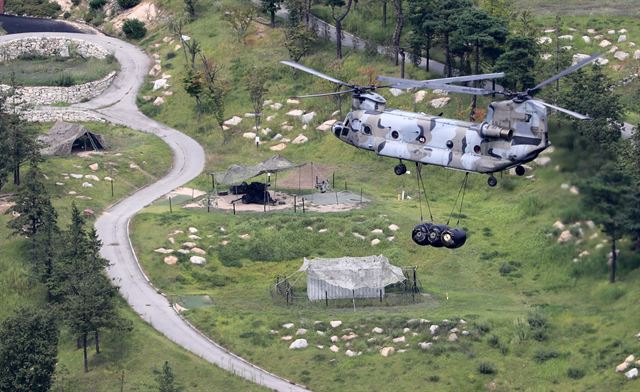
(198, 260)
(359, 236)
(198, 251)
(188, 244)
(249, 115)
(622, 367)
(574, 190)
(321, 333)
(375, 241)
(545, 40)
(622, 38)
(233, 121)
(184, 251)
(558, 225)
(620, 55)
(386, 351)
(591, 31)
(419, 96)
(249, 135)
(291, 101)
(300, 139)
(298, 344)
(542, 161)
(425, 345)
(452, 337)
(601, 61)
(87, 185)
(565, 236)
(567, 37)
(158, 101)
(334, 348)
(350, 353)
(88, 212)
(94, 166)
(334, 339)
(440, 102)
(163, 251)
(579, 57)
(604, 43)
(400, 339)
(286, 338)
(434, 329)
(335, 323)
(287, 325)
(155, 70)
(194, 237)
(586, 39)
(636, 55)
(393, 227)
(92, 177)
(406, 330)
(170, 260)
(160, 83)
(396, 92)
(276, 106)
(630, 359)
(307, 117)
(326, 126)
(301, 331)
(631, 374)
(377, 330)
(295, 113)
(278, 147)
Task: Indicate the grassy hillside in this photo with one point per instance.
(132, 359)
(539, 315)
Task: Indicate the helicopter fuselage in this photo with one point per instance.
(513, 133)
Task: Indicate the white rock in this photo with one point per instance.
(574, 190)
(386, 351)
(400, 339)
(334, 339)
(184, 251)
(440, 102)
(160, 83)
(298, 344)
(87, 185)
(188, 244)
(323, 230)
(170, 260)
(335, 113)
(278, 147)
(542, 161)
(307, 117)
(335, 323)
(425, 345)
(325, 126)
(558, 225)
(620, 55)
(601, 61)
(419, 96)
(452, 337)
(301, 331)
(377, 231)
(622, 38)
(586, 39)
(622, 367)
(198, 260)
(545, 40)
(604, 43)
(568, 47)
(194, 237)
(636, 55)
(163, 250)
(233, 121)
(566, 37)
(76, 176)
(465, 333)
(185, 38)
(92, 177)
(359, 236)
(349, 353)
(291, 101)
(249, 115)
(630, 359)
(300, 139)
(288, 325)
(375, 241)
(434, 329)
(440, 92)
(545, 56)
(94, 167)
(631, 374)
(396, 92)
(591, 31)
(287, 128)
(271, 118)
(393, 227)
(334, 348)
(598, 37)
(287, 338)
(249, 135)
(321, 333)
(158, 101)
(579, 57)
(377, 330)
(60, 183)
(198, 251)
(583, 254)
(276, 106)
(611, 31)
(295, 113)
(565, 236)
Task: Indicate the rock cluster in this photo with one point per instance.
(51, 47)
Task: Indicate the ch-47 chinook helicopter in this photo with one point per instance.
(514, 131)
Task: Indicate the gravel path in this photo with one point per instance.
(118, 105)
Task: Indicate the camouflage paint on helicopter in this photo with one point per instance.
(513, 133)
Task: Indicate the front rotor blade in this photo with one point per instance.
(566, 72)
(443, 83)
(326, 94)
(464, 89)
(314, 72)
(566, 111)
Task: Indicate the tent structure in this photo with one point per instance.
(349, 277)
(64, 138)
(239, 173)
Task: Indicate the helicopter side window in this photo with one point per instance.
(395, 134)
(367, 130)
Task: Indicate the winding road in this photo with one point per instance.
(118, 105)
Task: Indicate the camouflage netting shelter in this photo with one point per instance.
(239, 173)
(349, 277)
(64, 138)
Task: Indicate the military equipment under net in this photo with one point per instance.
(254, 193)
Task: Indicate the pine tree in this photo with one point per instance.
(32, 203)
(166, 380)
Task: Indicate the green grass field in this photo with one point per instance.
(56, 71)
(137, 355)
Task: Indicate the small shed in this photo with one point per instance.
(349, 277)
(65, 138)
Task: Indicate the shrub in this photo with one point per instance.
(543, 356)
(170, 55)
(486, 368)
(66, 15)
(75, 2)
(128, 3)
(41, 8)
(493, 341)
(575, 373)
(134, 29)
(97, 4)
(65, 80)
(537, 320)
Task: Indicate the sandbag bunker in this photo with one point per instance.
(438, 235)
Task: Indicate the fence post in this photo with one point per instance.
(326, 298)
(170, 207)
(303, 210)
(295, 203)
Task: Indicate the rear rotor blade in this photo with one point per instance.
(566, 72)
(566, 111)
(316, 73)
(326, 94)
(435, 83)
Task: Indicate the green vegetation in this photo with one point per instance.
(42, 8)
(627, 8)
(56, 71)
(128, 3)
(134, 29)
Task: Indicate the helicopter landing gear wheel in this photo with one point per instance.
(520, 170)
(400, 169)
(491, 181)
